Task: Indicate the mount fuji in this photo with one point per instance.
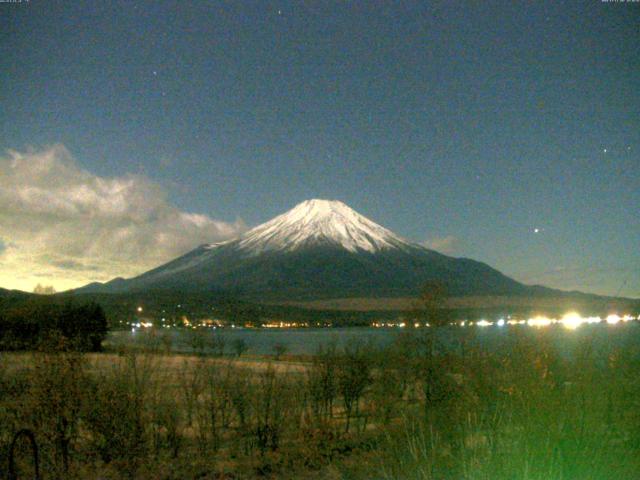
(320, 249)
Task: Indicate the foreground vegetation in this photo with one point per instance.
(412, 410)
(27, 325)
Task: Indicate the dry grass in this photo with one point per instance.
(171, 364)
(403, 412)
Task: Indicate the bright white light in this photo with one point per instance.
(139, 309)
(483, 323)
(613, 319)
(500, 322)
(539, 322)
(572, 320)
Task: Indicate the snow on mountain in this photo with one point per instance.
(319, 222)
(287, 258)
(310, 223)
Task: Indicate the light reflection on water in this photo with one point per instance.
(566, 333)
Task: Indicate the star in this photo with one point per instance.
(279, 12)
(604, 150)
(536, 230)
(155, 73)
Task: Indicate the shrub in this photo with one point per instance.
(27, 325)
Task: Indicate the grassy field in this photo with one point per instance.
(408, 411)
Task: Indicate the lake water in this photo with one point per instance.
(307, 340)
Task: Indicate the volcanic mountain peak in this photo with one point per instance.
(319, 249)
(318, 222)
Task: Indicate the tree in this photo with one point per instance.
(30, 324)
(279, 349)
(217, 344)
(354, 376)
(240, 346)
(44, 289)
(430, 307)
(322, 382)
(84, 325)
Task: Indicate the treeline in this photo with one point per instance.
(38, 323)
(122, 308)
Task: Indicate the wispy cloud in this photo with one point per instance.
(447, 245)
(64, 223)
(609, 280)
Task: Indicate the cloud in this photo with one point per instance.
(62, 222)
(73, 265)
(614, 280)
(447, 245)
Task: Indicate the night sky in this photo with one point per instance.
(508, 132)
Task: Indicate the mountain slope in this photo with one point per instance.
(319, 249)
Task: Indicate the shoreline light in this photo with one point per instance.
(613, 319)
(539, 321)
(571, 320)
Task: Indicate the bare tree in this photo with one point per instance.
(354, 376)
(430, 306)
(279, 349)
(240, 346)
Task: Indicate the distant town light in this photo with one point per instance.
(539, 321)
(613, 319)
(572, 320)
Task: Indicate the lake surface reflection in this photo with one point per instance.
(602, 337)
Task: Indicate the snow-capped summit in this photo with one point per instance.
(319, 222)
